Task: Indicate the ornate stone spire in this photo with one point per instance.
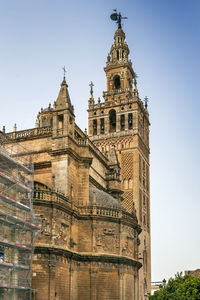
(63, 100)
(119, 70)
(119, 50)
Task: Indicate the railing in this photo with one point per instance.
(50, 196)
(82, 141)
(29, 133)
(96, 210)
(117, 91)
(84, 209)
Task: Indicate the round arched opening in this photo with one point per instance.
(112, 118)
(117, 83)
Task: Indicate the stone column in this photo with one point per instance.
(71, 273)
(55, 125)
(93, 288)
(118, 127)
(126, 121)
(98, 126)
(106, 125)
(121, 284)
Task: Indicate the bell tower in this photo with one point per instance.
(121, 120)
(119, 71)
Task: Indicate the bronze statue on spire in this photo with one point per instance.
(118, 18)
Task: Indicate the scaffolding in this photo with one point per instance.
(18, 225)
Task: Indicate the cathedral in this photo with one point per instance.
(91, 191)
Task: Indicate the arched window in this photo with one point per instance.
(130, 184)
(94, 127)
(60, 124)
(102, 126)
(122, 122)
(126, 184)
(117, 54)
(44, 122)
(117, 83)
(112, 118)
(130, 121)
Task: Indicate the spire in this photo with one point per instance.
(119, 51)
(91, 99)
(63, 100)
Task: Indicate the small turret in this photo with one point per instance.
(63, 113)
(63, 100)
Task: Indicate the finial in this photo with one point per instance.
(36, 123)
(146, 100)
(108, 58)
(99, 100)
(135, 87)
(118, 18)
(64, 71)
(135, 83)
(4, 129)
(85, 131)
(91, 88)
(15, 127)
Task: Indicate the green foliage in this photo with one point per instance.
(181, 288)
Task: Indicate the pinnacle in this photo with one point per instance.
(63, 100)
(64, 82)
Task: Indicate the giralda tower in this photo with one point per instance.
(121, 120)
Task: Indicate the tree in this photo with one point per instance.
(181, 288)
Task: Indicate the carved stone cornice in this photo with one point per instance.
(88, 257)
(72, 153)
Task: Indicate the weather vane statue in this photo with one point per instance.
(117, 17)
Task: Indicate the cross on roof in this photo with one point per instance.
(91, 87)
(64, 70)
(146, 100)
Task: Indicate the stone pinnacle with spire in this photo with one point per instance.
(63, 100)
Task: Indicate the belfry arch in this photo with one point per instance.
(117, 82)
(112, 120)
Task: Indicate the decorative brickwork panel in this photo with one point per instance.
(127, 165)
(128, 201)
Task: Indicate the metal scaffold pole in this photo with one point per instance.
(18, 224)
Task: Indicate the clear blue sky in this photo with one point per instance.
(39, 37)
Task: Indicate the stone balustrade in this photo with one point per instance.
(81, 208)
(29, 133)
(96, 210)
(51, 196)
